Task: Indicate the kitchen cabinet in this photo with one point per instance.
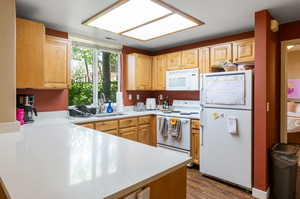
(204, 60)
(159, 72)
(42, 62)
(244, 51)
(56, 68)
(220, 53)
(106, 125)
(30, 38)
(144, 134)
(129, 133)
(195, 150)
(88, 125)
(139, 72)
(174, 61)
(190, 59)
(128, 122)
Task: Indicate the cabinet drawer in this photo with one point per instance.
(195, 124)
(107, 125)
(129, 122)
(129, 133)
(112, 132)
(145, 120)
(88, 125)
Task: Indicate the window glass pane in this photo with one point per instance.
(81, 91)
(108, 75)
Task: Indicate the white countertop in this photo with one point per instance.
(55, 159)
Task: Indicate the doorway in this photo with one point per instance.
(290, 91)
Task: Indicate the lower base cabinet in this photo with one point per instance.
(195, 151)
(140, 129)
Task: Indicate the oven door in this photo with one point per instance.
(184, 143)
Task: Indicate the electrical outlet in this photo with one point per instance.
(137, 97)
(161, 96)
(130, 97)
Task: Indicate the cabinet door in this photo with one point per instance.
(174, 61)
(244, 51)
(56, 67)
(143, 72)
(30, 38)
(106, 125)
(112, 132)
(195, 145)
(190, 58)
(220, 53)
(128, 122)
(129, 133)
(88, 125)
(144, 134)
(159, 72)
(204, 60)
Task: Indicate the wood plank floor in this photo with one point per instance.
(200, 187)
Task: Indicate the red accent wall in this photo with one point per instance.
(289, 31)
(48, 100)
(266, 90)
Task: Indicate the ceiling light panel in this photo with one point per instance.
(128, 15)
(167, 25)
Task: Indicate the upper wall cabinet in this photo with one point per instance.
(220, 53)
(174, 61)
(159, 72)
(139, 72)
(42, 61)
(30, 38)
(204, 60)
(190, 58)
(56, 60)
(244, 51)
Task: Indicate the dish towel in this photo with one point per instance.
(144, 194)
(232, 125)
(175, 130)
(163, 126)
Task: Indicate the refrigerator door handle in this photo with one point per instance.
(201, 131)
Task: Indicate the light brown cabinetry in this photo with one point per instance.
(159, 72)
(174, 60)
(204, 60)
(139, 72)
(190, 59)
(220, 53)
(56, 68)
(106, 125)
(88, 125)
(42, 62)
(30, 38)
(129, 133)
(144, 134)
(128, 122)
(195, 141)
(244, 51)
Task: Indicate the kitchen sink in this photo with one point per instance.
(109, 114)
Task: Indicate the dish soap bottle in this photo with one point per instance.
(109, 108)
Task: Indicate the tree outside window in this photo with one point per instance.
(83, 77)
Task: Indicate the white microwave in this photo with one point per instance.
(182, 80)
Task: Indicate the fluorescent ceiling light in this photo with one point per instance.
(290, 47)
(142, 19)
(161, 27)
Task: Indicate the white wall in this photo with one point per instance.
(7, 61)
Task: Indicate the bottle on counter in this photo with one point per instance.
(109, 107)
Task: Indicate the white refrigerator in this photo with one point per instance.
(226, 124)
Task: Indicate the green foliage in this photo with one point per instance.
(81, 91)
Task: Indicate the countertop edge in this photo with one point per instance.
(147, 181)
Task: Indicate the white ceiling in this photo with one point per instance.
(221, 17)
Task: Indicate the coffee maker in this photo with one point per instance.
(26, 102)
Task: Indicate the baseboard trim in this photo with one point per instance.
(260, 194)
(7, 127)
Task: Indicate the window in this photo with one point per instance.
(94, 72)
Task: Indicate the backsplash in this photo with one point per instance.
(48, 100)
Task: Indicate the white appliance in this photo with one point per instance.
(178, 80)
(226, 122)
(170, 142)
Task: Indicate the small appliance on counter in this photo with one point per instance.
(26, 102)
(150, 103)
